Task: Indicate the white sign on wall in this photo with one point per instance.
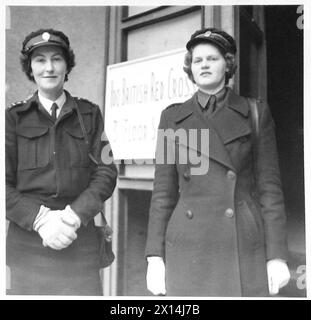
(136, 93)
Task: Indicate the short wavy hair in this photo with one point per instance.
(230, 61)
(25, 58)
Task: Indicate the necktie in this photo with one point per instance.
(211, 106)
(54, 109)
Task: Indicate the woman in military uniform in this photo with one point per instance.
(221, 232)
(56, 179)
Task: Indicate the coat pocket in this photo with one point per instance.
(33, 147)
(250, 228)
(176, 224)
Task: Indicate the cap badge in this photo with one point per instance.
(46, 36)
(207, 33)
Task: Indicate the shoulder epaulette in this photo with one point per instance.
(173, 105)
(88, 101)
(20, 103)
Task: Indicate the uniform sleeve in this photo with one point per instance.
(103, 176)
(164, 196)
(19, 208)
(270, 187)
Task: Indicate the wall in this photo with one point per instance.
(85, 28)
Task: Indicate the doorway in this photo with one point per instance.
(133, 266)
(284, 41)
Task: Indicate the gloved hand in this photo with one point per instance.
(156, 276)
(54, 232)
(69, 217)
(278, 275)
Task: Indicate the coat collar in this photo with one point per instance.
(203, 98)
(228, 124)
(33, 102)
(237, 103)
(234, 102)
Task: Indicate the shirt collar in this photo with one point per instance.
(47, 103)
(204, 97)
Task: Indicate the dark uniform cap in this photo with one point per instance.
(45, 37)
(215, 36)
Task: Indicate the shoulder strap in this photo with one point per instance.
(86, 140)
(255, 133)
(255, 118)
(82, 126)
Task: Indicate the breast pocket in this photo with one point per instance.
(77, 147)
(33, 147)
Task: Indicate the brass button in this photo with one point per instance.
(229, 213)
(231, 175)
(187, 176)
(189, 214)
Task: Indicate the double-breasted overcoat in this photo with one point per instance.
(217, 230)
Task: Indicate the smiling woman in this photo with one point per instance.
(49, 70)
(56, 177)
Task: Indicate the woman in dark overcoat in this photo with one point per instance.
(56, 177)
(221, 231)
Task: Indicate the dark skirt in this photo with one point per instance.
(38, 270)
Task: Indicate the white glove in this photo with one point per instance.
(69, 217)
(156, 276)
(278, 275)
(54, 232)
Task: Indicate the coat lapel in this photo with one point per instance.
(225, 126)
(231, 122)
(188, 117)
(33, 101)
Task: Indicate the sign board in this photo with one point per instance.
(136, 93)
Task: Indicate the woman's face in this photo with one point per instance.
(208, 67)
(49, 69)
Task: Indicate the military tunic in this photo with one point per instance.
(47, 163)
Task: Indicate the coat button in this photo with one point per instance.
(189, 214)
(231, 175)
(229, 213)
(187, 176)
